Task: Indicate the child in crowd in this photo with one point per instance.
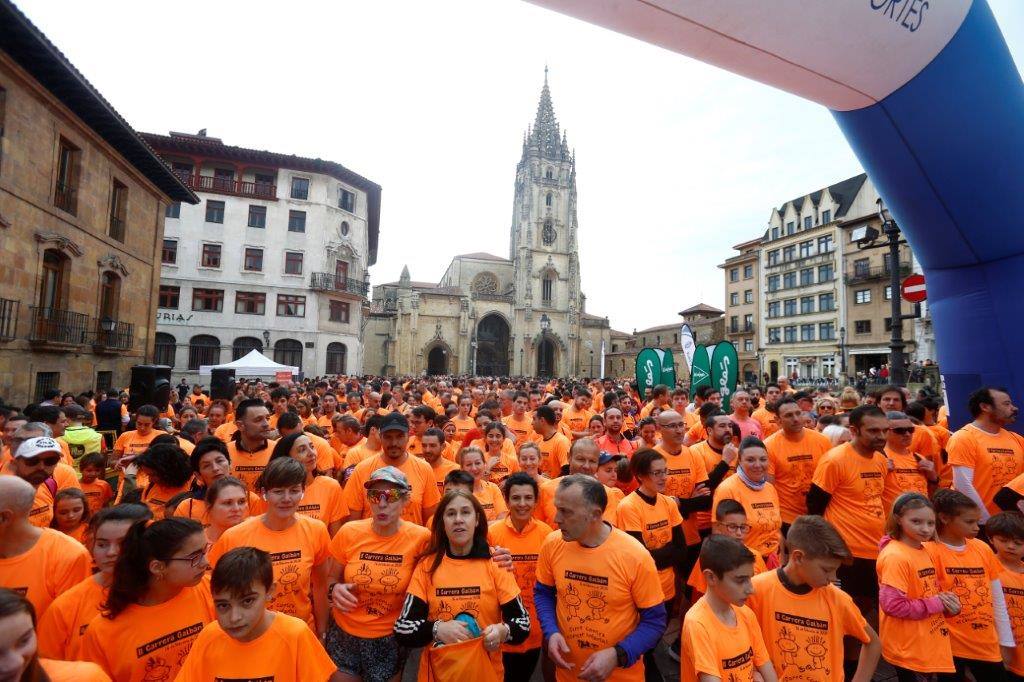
(980, 634)
(70, 513)
(915, 637)
(804, 616)
(1006, 531)
(731, 520)
(248, 641)
(721, 637)
(97, 491)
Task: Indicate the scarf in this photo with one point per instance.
(753, 485)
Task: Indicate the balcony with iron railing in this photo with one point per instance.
(111, 335)
(745, 328)
(240, 188)
(863, 273)
(326, 281)
(8, 318)
(56, 328)
(65, 197)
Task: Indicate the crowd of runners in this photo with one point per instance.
(501, 528)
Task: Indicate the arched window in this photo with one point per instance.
(288, 352)
(163, 349)
(203, 349)
(337, 355)
(110, 295)
(548, 199)
(547, 289)
(244, 345)
(549, 173)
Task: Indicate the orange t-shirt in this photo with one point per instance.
(903, 477)
(545, 509)
(97, 494)
(474, 586)
(149, 643)
(968, 574)
(324, 500)
(423, 498)
(226, 431)
(769, 422)
(697, 433)
(919, 645)
(711, 458)
(287, 652)
(791, 464)
(996, 459)
(490, 498)
(54, 564)
(156, 496)
(685, 472)
(804, 632)
(1013, 592)
(441, 469)
(247, 466)
(576, 420)
(506, 465)
(714, 648)
(655, 523)
(463, 426)
(360, 451)
(73, 671)
(554, 454)
(327, 458)
(700, 584)
(855, 484)
(763, 514)
(525, 548)
(41, 513)
(523, 428)
(380, 568)
(295, 552)
(600, 590)
(64, 624)
(132, 443)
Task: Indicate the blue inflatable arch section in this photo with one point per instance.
(932, 104)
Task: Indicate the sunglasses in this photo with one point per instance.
(388, 496)
(50, 461)
(903, 430)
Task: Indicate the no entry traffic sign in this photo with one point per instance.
(913, 289)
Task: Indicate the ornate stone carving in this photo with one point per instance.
(59, 241)
(485, 283)
(112, 262)
(438, 334)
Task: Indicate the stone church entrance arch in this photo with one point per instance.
(437, 361)
(546, 358)
(492, 337)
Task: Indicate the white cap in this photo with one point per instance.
(33, 447)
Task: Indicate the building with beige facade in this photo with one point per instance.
(82, 202)
(742, 301)
(706, 322)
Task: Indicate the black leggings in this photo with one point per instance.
(982, 671)
(520, 666)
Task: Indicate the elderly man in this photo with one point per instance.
(741, 406)
(584, 459)
(598, 595)
(40, 563)
(37, 461)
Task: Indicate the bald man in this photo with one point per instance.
(39, 563)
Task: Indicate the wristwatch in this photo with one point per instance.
(623, 657)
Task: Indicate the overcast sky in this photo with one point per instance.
(677, 161)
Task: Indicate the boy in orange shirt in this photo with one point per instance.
(248, 641)
(721, 637)
(97, 491)
(731, 520)
(804, 617)
(1006, 531)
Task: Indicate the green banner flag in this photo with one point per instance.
(724, 366)
(700, 372)
(648, 371)
(668, 369)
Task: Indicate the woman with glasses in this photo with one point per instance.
(323, 499)
(373, 563)
(752, 489)
(297, 544)
(458, 594)
(909, 472)
(157, 602)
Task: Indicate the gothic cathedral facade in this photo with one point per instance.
(494, 316)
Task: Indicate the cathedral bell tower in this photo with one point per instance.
(543, 240)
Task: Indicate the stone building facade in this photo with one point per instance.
(491, 315)
(706, 322)
(82, 202)
(742, 299)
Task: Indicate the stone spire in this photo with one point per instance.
(404, 280)
(545, 135)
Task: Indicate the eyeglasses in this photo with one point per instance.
(50, 461)
(736, 527)
(195, 559)
(385, 496)
(902, 430)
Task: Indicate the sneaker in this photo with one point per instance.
(674, 649)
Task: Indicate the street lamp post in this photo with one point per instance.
(591, 364)
(545, 325)
(521, 362)
(842, 352)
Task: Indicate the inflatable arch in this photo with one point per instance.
(932, 104)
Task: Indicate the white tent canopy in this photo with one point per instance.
(255, 364)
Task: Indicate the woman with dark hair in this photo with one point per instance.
(297, 543)
(499, 453)
(63, 624)
(209, 462)
(227, 505)
(157, 602)
(457, 593)
(168, 474)
(19, 656)
(751, 488)
(323, 499)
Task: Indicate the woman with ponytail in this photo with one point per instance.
(19, 658)
(157, 603)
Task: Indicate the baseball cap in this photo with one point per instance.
(75, 411)
(389, 474)
(33, 447)
(394, 421)
(606, 457)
